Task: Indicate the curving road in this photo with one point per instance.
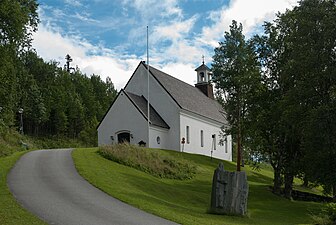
(47, 184)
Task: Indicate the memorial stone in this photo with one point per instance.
(229, 192)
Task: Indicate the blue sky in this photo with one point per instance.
(108, 37)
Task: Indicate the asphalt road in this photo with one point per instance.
(46, 183)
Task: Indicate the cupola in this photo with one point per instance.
(203, 80)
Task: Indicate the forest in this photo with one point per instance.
(51, 99)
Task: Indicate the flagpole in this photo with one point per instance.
(147, 87)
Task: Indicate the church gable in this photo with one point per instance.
(122, 117)
(137, 84)
(141, 104)
(182, 95)
(189, 97)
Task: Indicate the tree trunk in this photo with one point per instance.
(334, 192)
(288, 185)
(238, 151)
(277, 181)
(239, 144)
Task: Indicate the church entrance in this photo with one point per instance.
(124, 137)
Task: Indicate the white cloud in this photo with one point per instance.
(249, 13)
(184, 72)
(152, 8)
(73, 2)
(174, 30)
(85, 17)
(51, 45)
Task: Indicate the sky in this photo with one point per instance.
(109, 37)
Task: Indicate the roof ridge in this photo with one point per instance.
(171, 76)
(152, 67)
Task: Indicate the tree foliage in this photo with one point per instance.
(55, 102)
(235, 73)
(290, 115)
(18, 21)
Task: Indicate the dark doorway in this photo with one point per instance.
(124, 137)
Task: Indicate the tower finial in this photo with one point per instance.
(203, 59)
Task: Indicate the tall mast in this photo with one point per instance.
(147, 87)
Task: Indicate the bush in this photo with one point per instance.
(327, 216)
(11, 141)
(149, 161)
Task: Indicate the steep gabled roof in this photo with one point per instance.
(189, 97)
(141, 104)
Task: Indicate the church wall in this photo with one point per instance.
(196, 124)
(162, 103)
(127, 118)
(158, 137)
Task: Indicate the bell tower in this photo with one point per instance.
(203, 80)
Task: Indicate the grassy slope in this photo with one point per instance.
(10, 211)
(186, 202)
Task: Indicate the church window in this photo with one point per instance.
(202, 76)
(202, 139)
(226, 144)
(214, 144)
(158, 140)
(188, 134)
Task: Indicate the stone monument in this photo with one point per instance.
(229, 192)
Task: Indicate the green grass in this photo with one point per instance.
(187, 201)
(10, 211)
(152, 162)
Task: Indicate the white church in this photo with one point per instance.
(182, 117)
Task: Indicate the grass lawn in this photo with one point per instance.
(10, 211)
(187, 201)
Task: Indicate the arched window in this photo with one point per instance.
(124, 136)
(202, 77)
(188, 134)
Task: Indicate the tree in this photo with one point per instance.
(18, 21)
(297, 54)
(236, 76)
(314, 46)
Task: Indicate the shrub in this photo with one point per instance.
(149, 161)
(327, 216)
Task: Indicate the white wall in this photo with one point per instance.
(161, 102)
(156, 132)
(127, 118)
(196, 124)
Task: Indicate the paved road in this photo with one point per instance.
(47, 184)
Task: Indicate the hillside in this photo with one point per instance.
(187, 201)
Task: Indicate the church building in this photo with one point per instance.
(181, 117)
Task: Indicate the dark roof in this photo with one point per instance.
(202, 67)
(189, 97)
(141, 104)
